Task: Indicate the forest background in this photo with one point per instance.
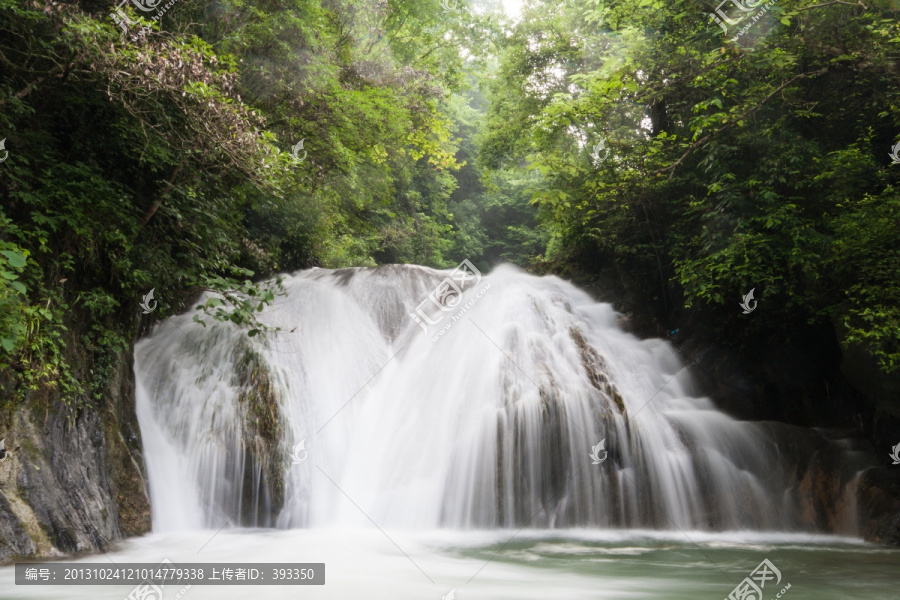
(637, 143)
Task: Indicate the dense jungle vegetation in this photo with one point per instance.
(437, 131)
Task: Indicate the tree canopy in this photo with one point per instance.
(704, 150)
(758, 160)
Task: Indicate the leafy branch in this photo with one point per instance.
(238, 301)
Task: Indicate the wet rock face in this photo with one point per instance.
(55, 486)
(879, 504)
(63, 478)
(14, 540)
(596, 368)
(262, 434)
(72, 482)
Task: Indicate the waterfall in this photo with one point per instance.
(484, 418)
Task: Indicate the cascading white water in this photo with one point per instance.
(488, 424)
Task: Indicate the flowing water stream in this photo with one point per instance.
(509, 441)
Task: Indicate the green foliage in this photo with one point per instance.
(759, 161)
(13, 294)
(162, 160)
(866, 255)
(237, 301)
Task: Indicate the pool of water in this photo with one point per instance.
(369, 564)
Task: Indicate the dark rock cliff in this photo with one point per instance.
(72, 481)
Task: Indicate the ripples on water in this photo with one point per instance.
(536, 565)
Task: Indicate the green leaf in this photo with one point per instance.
(15, 259)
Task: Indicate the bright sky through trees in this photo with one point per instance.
(513, 8)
